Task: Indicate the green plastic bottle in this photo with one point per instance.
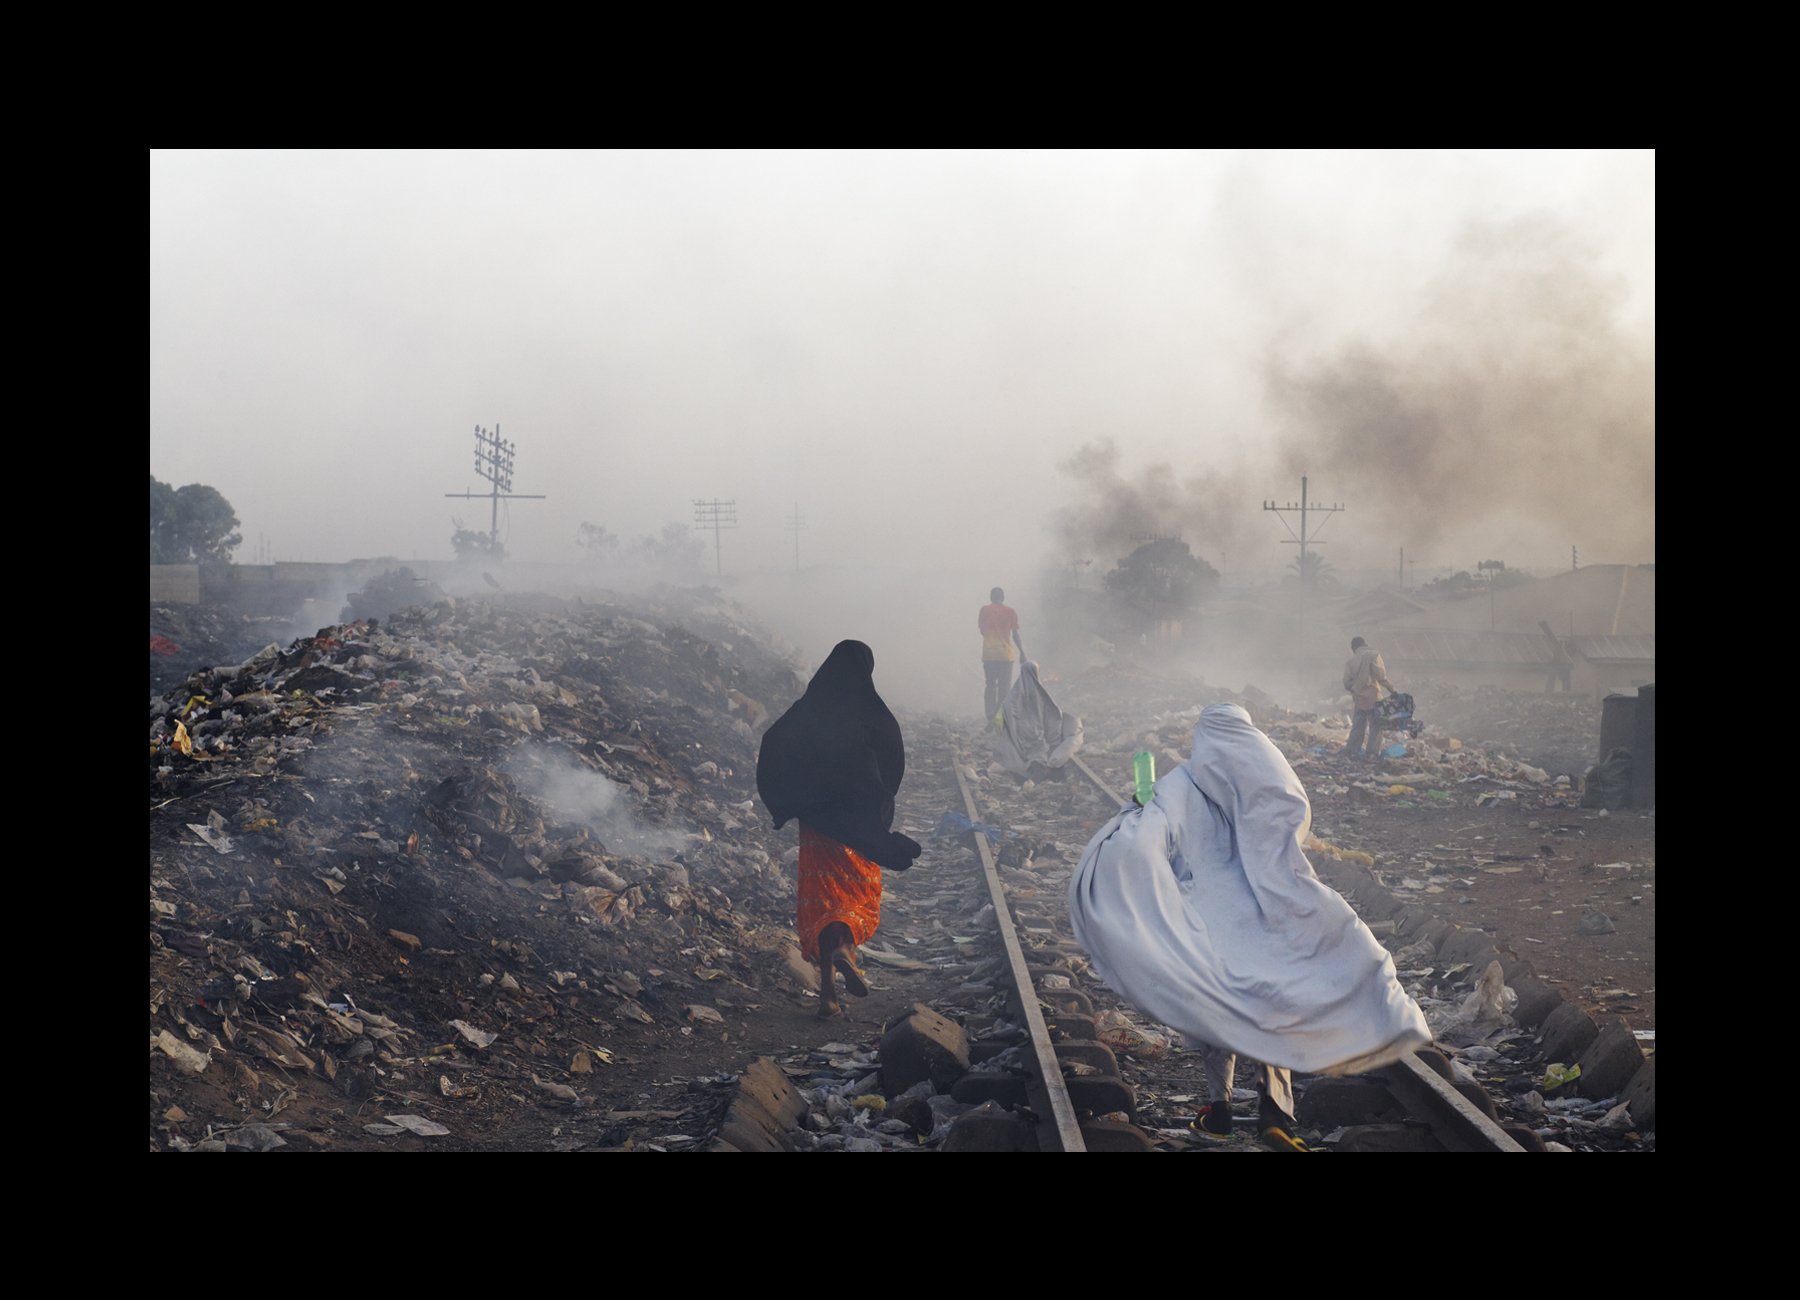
(1143, 774)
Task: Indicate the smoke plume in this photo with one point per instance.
(1517, 410)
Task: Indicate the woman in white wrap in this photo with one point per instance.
(1201, 911)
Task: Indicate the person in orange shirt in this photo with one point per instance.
(998, 622)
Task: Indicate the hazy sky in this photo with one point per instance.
(907, 344)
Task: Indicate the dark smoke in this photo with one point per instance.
(1519, 407)
(1118, 507)
(1520, 393)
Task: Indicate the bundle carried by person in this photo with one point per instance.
(1035, 737)
(1394, 712)
(1201, 910)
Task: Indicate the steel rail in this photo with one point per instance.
(1099, 785)
(1453, 1118)
(1061, 1124)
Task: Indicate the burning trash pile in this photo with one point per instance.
(388, 593)
(409, 878)
(182, 636)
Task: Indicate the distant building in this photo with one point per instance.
(1601, 634)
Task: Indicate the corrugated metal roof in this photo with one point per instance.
(1420, 646)
(1374, 606)
(1617, 649)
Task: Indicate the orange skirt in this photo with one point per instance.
(836, 884)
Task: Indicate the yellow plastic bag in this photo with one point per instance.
(1557, 1074)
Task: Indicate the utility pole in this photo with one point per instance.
(1491, 569)
(494, 462)
(794, 525)
(717, 514)
(1402, 577)
(1574, 559)
(1302, 539)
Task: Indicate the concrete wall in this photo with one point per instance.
(1600, 680)
(286, 586)
(1507, 676)
(174, 584)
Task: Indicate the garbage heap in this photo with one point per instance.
(1433, 767)
(1559, 733)
(184, 636)
(1481, 732)
(466, 853)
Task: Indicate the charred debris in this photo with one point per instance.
(465, 852)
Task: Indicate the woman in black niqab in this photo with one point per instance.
(834, 762)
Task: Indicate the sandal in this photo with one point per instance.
(853, 978)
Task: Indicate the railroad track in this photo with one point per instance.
(1060, 1102)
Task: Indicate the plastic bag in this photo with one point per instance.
(1557, 1074)
(1491, 1002)
(1609, 784)
(1117, 1032)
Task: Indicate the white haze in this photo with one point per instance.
(580, 796)
(912, 347)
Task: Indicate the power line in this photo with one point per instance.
(716, 515)
(494, 462)
(1302, 539)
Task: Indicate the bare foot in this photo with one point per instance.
(828, 1010)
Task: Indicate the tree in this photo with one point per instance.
(191, 525)
(1463, 583)
(471, 545)
(1312, 571)
(1160, 581)
(597, 541)
(677, 555)
(163, 543)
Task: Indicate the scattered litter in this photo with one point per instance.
(213, 833)
(1117, 1031)
(181, 1053)
(1558, 1074)
(472, 1035)
(418, 1125)
(884, 957)
(561, 1091)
